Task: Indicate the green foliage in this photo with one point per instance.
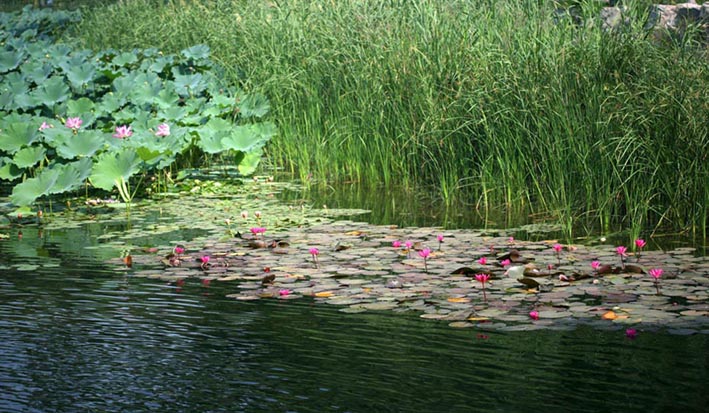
(43, 84)
(506, 105)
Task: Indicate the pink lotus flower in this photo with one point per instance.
(424, 253)
(73, 123)
(482, 278)
(123, 132)
(396, 244)
(163, 130)
(656, 273)
(482, 261)
(595, 265)
(44, 126)
(534, 315)
(631, 333)
(505, 262)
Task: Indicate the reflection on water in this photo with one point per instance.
(77, 337)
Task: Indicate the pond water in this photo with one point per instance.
(80, 334)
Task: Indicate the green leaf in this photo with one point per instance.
(112, 166)
(53, 91)
(9, 171)
(212, 133)
(190, 85)
(196, 52)
(29, 157)
(249, 162)
(242, 138)
(16, 135)
(71, 176)
(81, 75)
(125, 59)
(27, 192)
(9, 60)
(36, 71)
(85, 143)
(166, 99)
(254, 105)
(79, 107)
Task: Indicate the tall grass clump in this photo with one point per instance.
(514, 105)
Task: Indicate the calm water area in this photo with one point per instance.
(80, 334)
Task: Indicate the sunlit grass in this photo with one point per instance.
(504, 104)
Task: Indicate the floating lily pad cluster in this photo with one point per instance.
(70, 115)
(362, 267)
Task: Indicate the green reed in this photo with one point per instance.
(505, 104)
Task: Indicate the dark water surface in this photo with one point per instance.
(77, 335)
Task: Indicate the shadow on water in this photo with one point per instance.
(84, 338)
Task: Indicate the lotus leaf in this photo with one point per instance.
(27, 192)
(85, 143)
(52, 91)
(71, 175)
(249, 162)
(16, 135)
(197, 52)
(253, 105)
(8, 170)
(9, 60)
(189, 85)
(80, 75)
(29, 157)
(112, 167)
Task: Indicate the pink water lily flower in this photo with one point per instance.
(534, 315)
(621, 250)
(73, 123)
(205, 262)
(631, 333)
(482, 278)
(284, 292)
(440, 241)
(396, 244)
(482, 260)
(314, 253)
(557, 247)
(245, 214)
(595, 265)
(639, 244)
(505, 262)
(123, 132)
(424, 253)
(656, 273)
(163, 130)
(44, 126)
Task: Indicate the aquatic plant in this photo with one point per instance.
(440, 241)
(60, 105)
(513, 106)
(631, 333)
(314, 254)
(639, 245)
(482, 260)
(483, 278)
(425, 253)
(534, 315)
(505, 262)
(557, 248)
(622, 253)
(396, 244)
(656, 273)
